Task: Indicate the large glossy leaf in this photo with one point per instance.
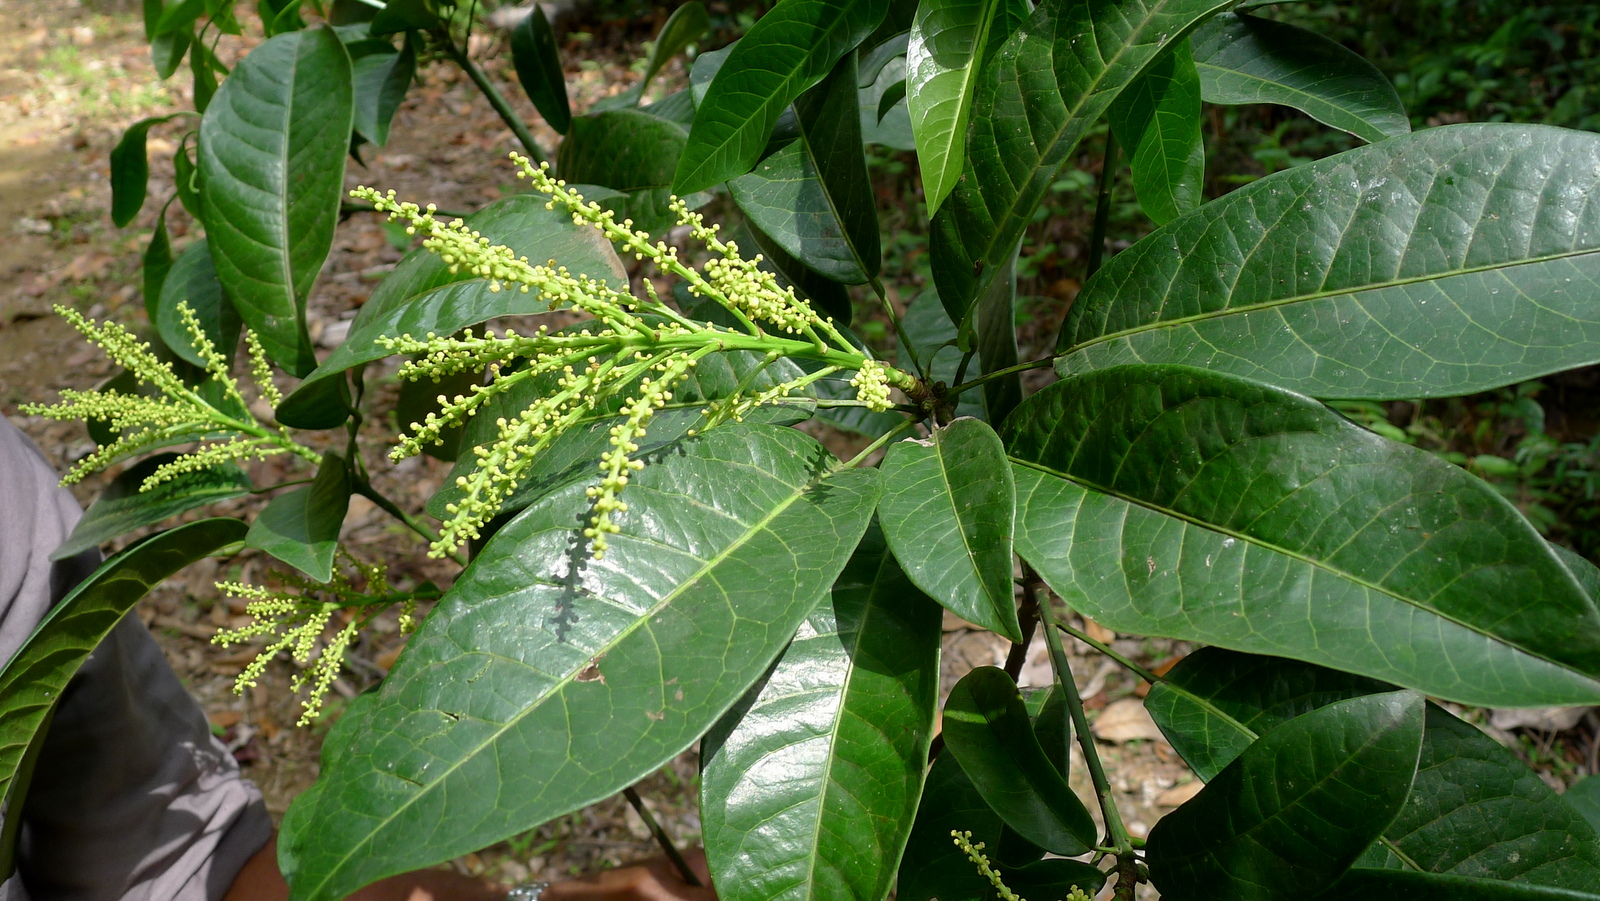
(1409, 885)
(986, 727)
(813, 196)
(1296, 808)
(272, 151)
(809, 789)
(786, 52)
(382, 76)
(1584, 797)
(950, 42)
(1056, 76)
(422, 295)
(947, 510)
(631, 151)
(301, 527)
(1474, 809)
(157, 262)
(933, 868)
(546, 680)
(1157, 119)
(122, 507)
(34, 677)
(1246, 59)
(538, 62)
(1439, 263)
(1171, 501)
(193, 280)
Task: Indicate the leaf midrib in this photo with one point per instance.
(1308, 297)
(1294, 555)
(639, 623)
(951, 151)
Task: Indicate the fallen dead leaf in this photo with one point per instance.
(1126, 720)
(1178, 794)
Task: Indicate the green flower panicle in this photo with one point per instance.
(174, 412)
(632, 349)
(974, 852)
(295, 619)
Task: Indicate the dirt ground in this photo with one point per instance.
(73, 75)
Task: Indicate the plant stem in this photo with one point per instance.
(1002, 373)
(1028, 619)
(1105, 649)
(365, 489)
(353, 207)
(878, 442)
(1102, 207)
(662, 838)
(1117, 833)
(496, 99)
(899, 330)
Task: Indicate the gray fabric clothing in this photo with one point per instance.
(132, 797)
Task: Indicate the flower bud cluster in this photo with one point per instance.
(974, 852)
(295, 620)
(173, 412)
(622, 364)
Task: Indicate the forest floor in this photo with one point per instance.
(73, 75)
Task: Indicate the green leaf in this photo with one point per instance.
(1474, 810)
(382, 75)
(193, 280)
(995, 320)
(400, 15)
(122, 507)
(787, 51)
(947, 509)
(1157, 119)
(580, 676)
(130, 171)
(891, 97)
(167, 51)
(1246, 59)
(301, 527)
(1419, 269)
(1215, 702)
(418, 399)
(538, 63)
(1058, 74)
(1175, 502)
(35, 676)
(179, 16)
(186, 179)
(631, 151)
(813, 196)
(157, 263)
(951, 42)
(1584, 797)
(1403, 885)
(1587, 574)
(422, 295)
(986, 727)
(873, 61)
(934, 868)
(1296, 808)
(889, 127)
(687, 24)
(203, 69)
(809, 788)
(272, 150)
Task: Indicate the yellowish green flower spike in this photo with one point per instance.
(634, 350)
(296, 618)
(174, 413)
(975, 854)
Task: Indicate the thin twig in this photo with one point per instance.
(1116, 832)
(495, 98)
(365, 489)
(1102, 207)
(1105, 649)
(662, 838)
(1028, 619)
